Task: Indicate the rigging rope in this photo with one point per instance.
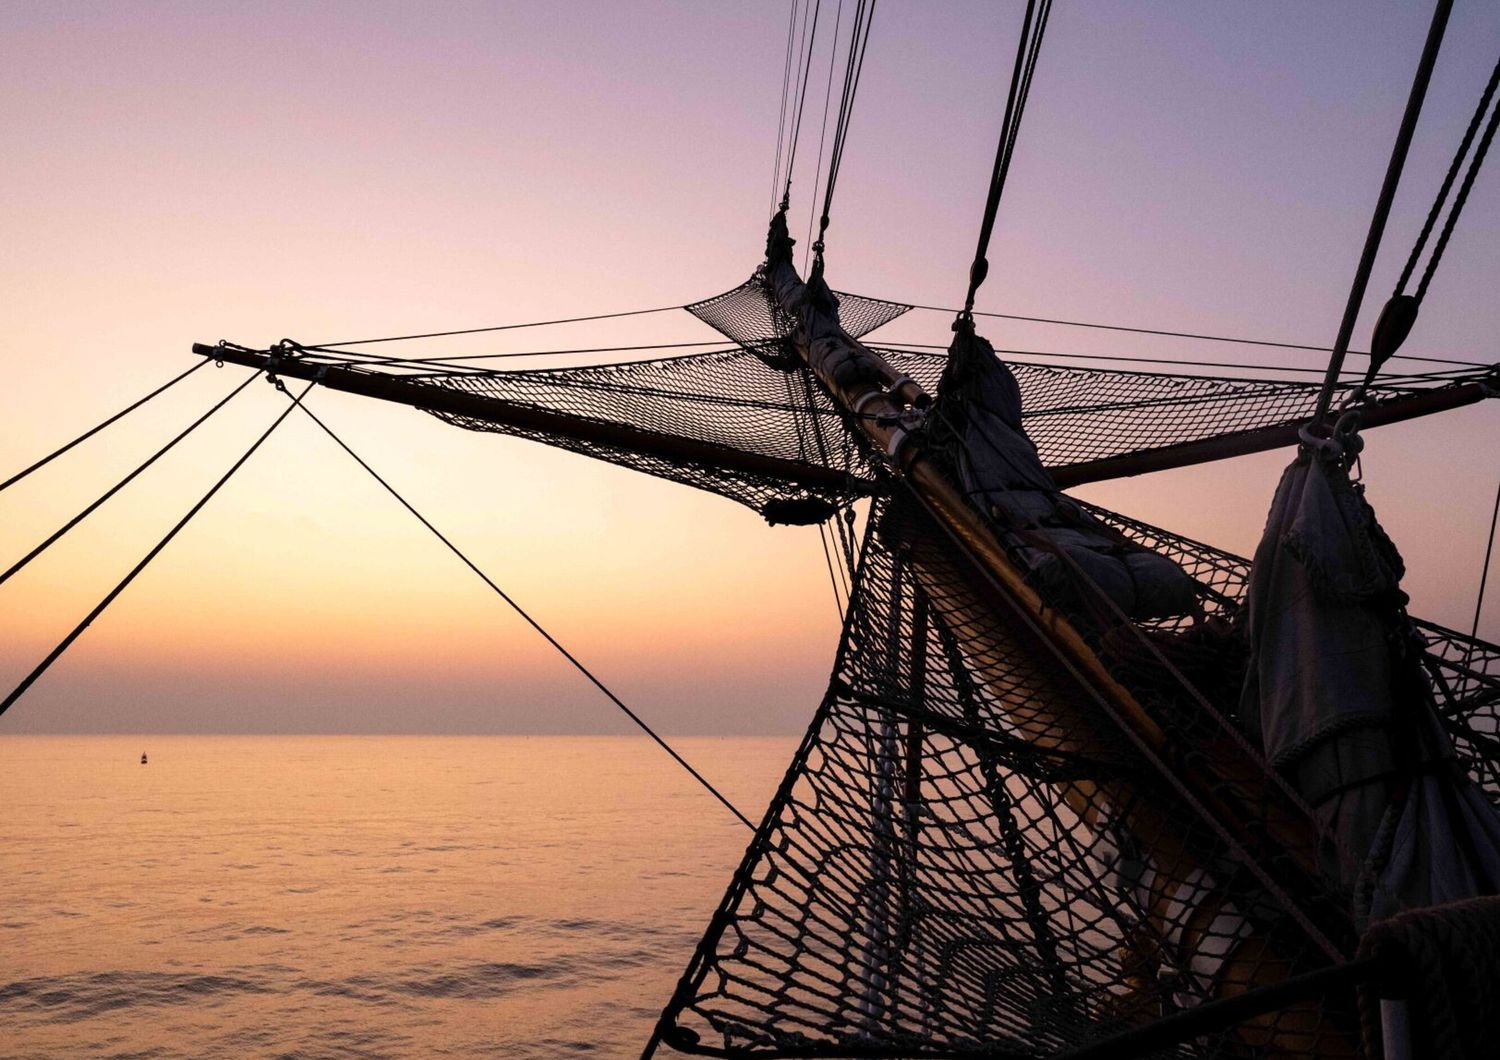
(805, 58)
(496, 327)
(786, 80)
(18, 476)
(1190, 335)
(453, 360)
(1442, 195)
(1186, 361)
(1484, 571)
(1383, 205)
(1028, 46)
(838, 19)
(859, 40)
(118, 486)
(518, 609)
(109, 598)
(1400, 312)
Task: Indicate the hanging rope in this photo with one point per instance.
(1028, 47)
(632, 715)
(1400, 312)
(1383, 204)
(109, 598)
(859, 40)
(86, 435)
(118, 486)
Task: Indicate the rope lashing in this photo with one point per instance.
(1393, 170)
(1028, 47)
(1400, 312)
(86, 435)
(135, 571)
(519, 610)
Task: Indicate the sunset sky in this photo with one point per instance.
(181, 172)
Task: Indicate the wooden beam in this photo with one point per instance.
(487, 409)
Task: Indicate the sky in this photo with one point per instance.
(181, 172)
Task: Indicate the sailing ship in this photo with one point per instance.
(1078, 786)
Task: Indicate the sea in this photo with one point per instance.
(349, 896)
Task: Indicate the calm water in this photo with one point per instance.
(356, 896)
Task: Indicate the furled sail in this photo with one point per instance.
(1339, 698)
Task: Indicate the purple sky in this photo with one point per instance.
(182, 172)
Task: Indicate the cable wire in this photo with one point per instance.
(1180, 334)
(805, 62)
(859, 41)
(496, 327)
(18, 476)
(1383, 204)
(786, 80)
(518, 609)
(118, 486)
(109, 598)
(1028, 46)
(1447, 186)
(1484, 572)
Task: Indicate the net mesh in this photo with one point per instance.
(966, 858)
(724, 398)
(732, 400)
(748, 315)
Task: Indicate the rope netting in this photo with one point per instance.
(725, 398)
(748, 315)
(732, 399)
(967, 858)
(1463, 671)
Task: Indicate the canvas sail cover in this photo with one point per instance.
(1338, 695)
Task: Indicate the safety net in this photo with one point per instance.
(967, 857)
(973, 854)
(737, 401)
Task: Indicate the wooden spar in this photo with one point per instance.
(858, 380)
(531, 418)
(1281, 436)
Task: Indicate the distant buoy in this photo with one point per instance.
(143, 758)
